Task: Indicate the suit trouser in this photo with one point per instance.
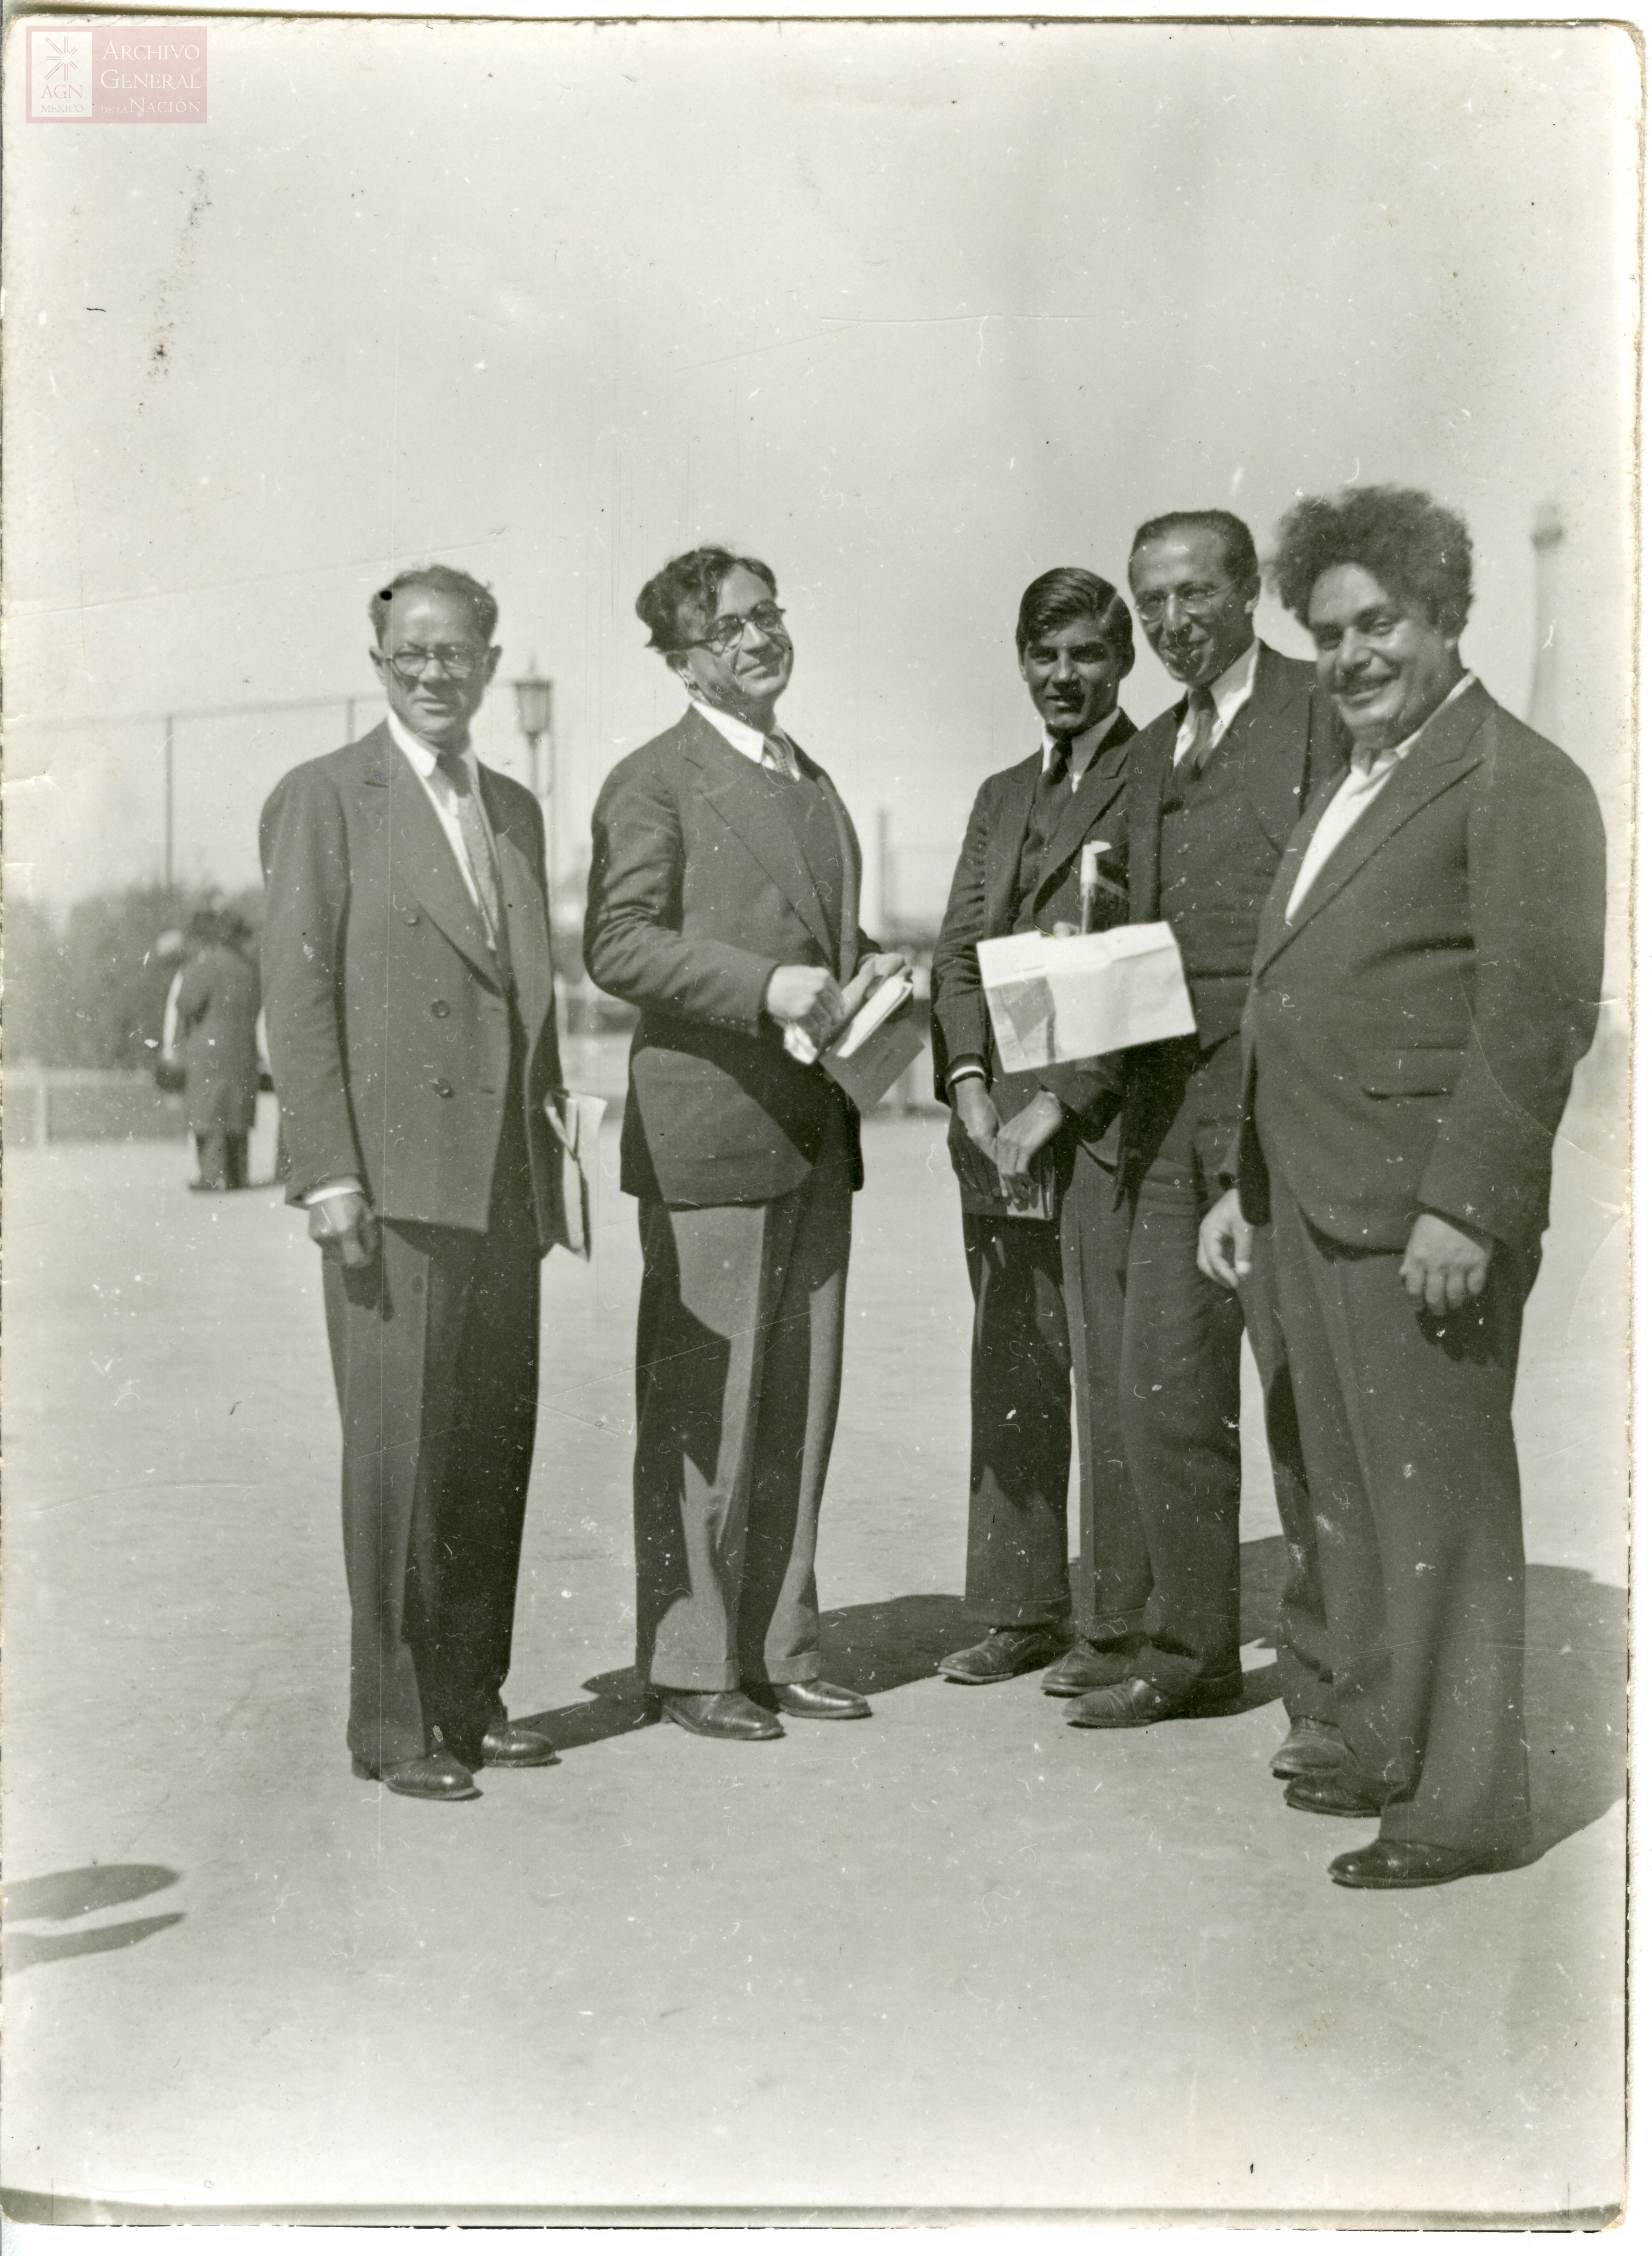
(1409, 1444)
(221, 1161)
(436, 1357)
(1179, 1385)
(739, 1360)
(1048, 1310)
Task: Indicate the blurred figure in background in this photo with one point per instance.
(212, 1016)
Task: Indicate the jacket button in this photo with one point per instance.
(438, 1010)
(410, 916)
(442, 1087)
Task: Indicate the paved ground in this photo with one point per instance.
(958, 1957)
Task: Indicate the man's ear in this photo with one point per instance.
(1129, 666)
(678, 661)
(1254, 596)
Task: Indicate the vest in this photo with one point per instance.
(1216, 869)
(806, 808)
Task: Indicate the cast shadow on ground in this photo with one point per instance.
(59, 1896)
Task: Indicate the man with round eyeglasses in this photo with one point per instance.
(412, 1040)
(725, 904)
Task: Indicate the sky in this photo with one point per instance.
(913, 311)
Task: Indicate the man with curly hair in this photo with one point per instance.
(1426, 978)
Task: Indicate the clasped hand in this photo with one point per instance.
(990, 1149)
(346, 1229)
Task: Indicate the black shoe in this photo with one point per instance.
(1311, 1745)
(716, 1715)
(1335, 1794)
(1087, 1666)
(1128, 1706)
(829, 1702)
(439, 1776)
(1411, 1865)
(1002, 1654)
(503, 1745)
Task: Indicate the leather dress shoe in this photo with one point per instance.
(831, 1703)
(506, 1746)
(1086, 1666)
(1128, 1706)
(1411, 1865)
(1002, 1654)
(438, 1776)
(1311, 1745)
(1335, 1794)
(717, 1714)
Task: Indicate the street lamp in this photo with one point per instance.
(533, 718)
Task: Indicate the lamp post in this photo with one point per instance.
(533, 718)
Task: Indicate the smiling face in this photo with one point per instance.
(433, 665)
(1072, 673)
(748, 677)
(1384, 661)
(1198, 618)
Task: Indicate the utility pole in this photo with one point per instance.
(1547, 534)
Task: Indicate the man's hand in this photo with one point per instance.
(1445, 1266)
(976, 1116)
(1020, 1141)
(346, 1229)
(1225, 1243)
(802, 995)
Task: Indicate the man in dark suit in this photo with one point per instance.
(412, 1038)
(215, 1014)
(725, 903)
(1047, 1299)
(1216, 785)
(1427, 976)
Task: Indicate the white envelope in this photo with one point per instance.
(1054, 1001)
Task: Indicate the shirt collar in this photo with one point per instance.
(1083, 748)
(1231, 690)
(424, 757)
(1397, 752)
(743, 738)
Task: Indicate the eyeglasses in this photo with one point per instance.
(459, 660)
(726, 635)
(1201, 602)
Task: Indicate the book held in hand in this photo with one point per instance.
(574, 1121)
(873, 1047)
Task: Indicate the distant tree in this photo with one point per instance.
(93, 995)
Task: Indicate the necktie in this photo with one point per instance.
(1054, 785)
(1202, 707)
(478, 852)
(779, 758)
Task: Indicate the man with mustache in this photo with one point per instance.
(1427, 976)
(412, 1038)
(1046, 1301)
(724, 902)
(1218, 784)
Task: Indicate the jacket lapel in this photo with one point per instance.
(421, 861)
(1151, 754)
(733, 787)
(1008, 836)
(1274, 777)
(848, 854)
(526, 909)
(1443, 753)
(1102, 782)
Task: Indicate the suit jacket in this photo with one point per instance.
(389, 1030)
(981, 906)
(217, 1042)
(699, 892)
(1410, 1039)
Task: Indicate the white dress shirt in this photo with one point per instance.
(1362, 784)
(1229, 691)
(744, 738)
(1083, 748)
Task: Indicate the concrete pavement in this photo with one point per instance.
(958, 1958)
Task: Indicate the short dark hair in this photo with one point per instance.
(1417, 548)
(1239, 550)
(693, 577)
(1057, 598)
(447, 580)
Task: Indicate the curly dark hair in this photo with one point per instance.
(1069, 592)
(1417, 548)
(693, 577)
(1239, 550)
(446, 579)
